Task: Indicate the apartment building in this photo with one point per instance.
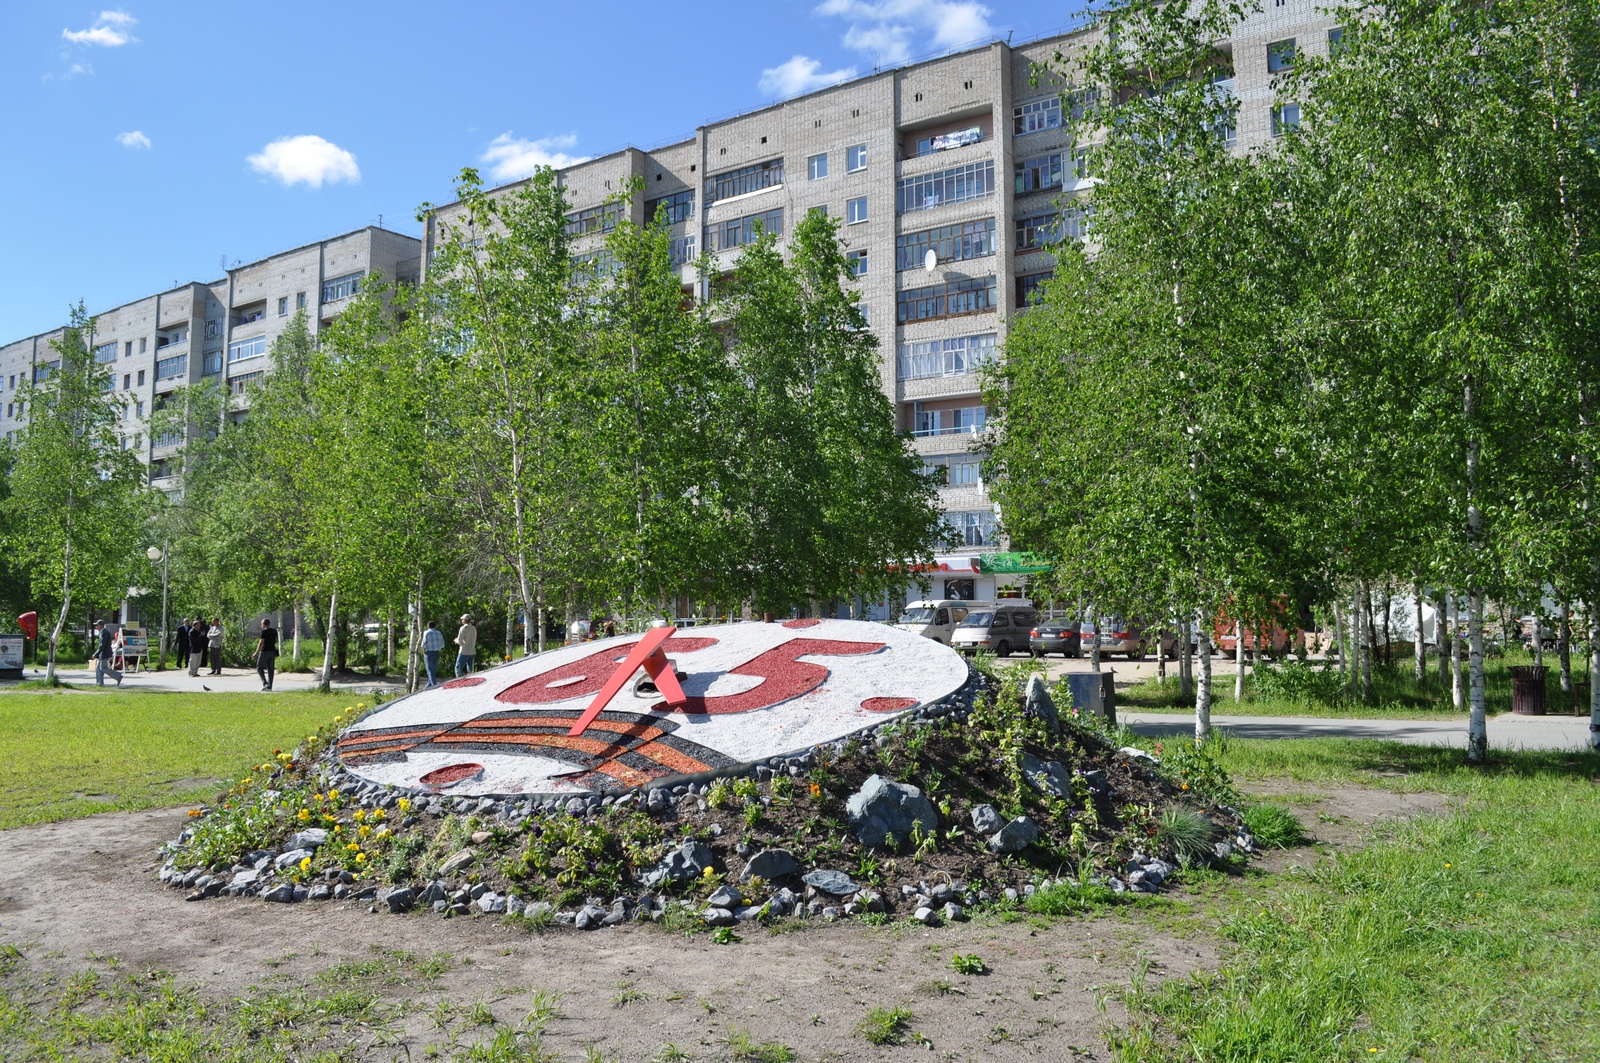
(950, 177)
(219, 331)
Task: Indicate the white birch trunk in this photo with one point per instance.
(1477, 719)
(1202, 693)
(1564, 648)
(1594, 675)
(297, 635)
(1458, 686)
(325, 684)
(1338, 641)
(1238, 660)
(1538, 640)
(1419, 648)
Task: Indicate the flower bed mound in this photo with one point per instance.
(986, 805)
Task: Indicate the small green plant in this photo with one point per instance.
(1194, 768)
(1068, 898)
(724, 935)
(627, 993)
(545, 1006)
(753, 813)
(742, 1046)
(886, 1026)
(671, 1053)
(720, 795)
(1189, 833)
(746, 789)
(924, 841)
(1273, 826)
(782, 788)
(971, 963)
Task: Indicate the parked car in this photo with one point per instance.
(936, 618)
(1056, 636)
(1122, 636)
(1001, 629)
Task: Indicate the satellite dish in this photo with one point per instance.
(930, 260)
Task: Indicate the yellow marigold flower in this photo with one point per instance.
(816, 790)
(364, 831)
(305, 863)
(708, 872)
(378, 813)
(361, 858)
(333, 795)
(304, 815)
(353, 847)
(358, 815)
(384, 833)
(405, 804)
(361, 704)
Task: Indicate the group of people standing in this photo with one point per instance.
(466, 648)
(198, 643)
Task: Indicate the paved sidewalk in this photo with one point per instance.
(231, 681)
(1505, 731)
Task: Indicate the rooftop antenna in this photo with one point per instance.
(380, 221)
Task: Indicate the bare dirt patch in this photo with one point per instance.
(87, 886)
(1339, 818)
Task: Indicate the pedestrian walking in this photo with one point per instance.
(104, 638)
(197, 645)
(267, 654)
(214, 644)
(467, 646)
(180, 643)
(432, 646)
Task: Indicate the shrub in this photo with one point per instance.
(1193, 766)
(1273, 826)
(1297, 681)
(1189, 833)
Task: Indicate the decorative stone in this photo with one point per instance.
(291, 858)
(925, 916)
(836, 883)
(725, 897)
(953, 912)
(1014, 836)
(589, 917)
(244, 878)
(491, 904)
(985, 820)
(1038, 703)
(283, 894)
(684, 863)
(718, 917)
(883, 807)
(310, 838)
(458, 861)
(769, 864)
(1047, 776)
(399, 900)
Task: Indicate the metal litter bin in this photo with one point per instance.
(1094, 693)
(1527, 689)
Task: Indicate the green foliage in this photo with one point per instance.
(1273, 825)
(886, 1026)
(1062, 898)
(971, 963)
(743, 1047)
(586, 856)
(1195, 767)
(1188, 833)
(1297, 681)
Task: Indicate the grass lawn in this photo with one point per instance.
(67, 753)
(1468, 936)
(1396, 693)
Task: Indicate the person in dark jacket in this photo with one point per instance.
(180, 643)
(197, 647)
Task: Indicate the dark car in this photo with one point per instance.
(1056, 636)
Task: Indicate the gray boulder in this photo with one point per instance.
(283, 894)
(882, 807)
(1038, 703)
(985, 820)
(836, 883)
(590, 916)
(491, 904)
(1014, 836)
(399, 900)
(291, 858)
(725, 897)
(718, 917)
(244, 878)
(925, 916)
(459, 861)
(310, 838)
(769, 864)
(1047, 776)
(688, 861)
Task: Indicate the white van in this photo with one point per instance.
(936, 618)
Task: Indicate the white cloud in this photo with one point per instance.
(305, 159)
(512, 159)
(110, 30)
(801, 74)
(885, 29)
(134, 139)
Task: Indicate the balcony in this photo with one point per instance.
(959, 441)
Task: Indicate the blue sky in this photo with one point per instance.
(149, 141)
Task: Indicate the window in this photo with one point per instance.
(171, 368)
(857, 261)
(253, 348)
(679, 207)
(283, 306)
(949, 243)
(42, 371)
(214, 329)
(945, 300)
(821, 209)
(1038, 230)
(1336, 40)
(955, 356)
(596, 264)
(1284, 118)
(946, 141)
(243, 317)
(1280, 55)
(817, 167)
(1028, 288)
(210, 363)
(106, 352)
(127, 349)
(143, 344)
(680, 249)
(127, 381)
(965, 474)
(855, 159)
(167, 439)
(238, 384)
(299, 304)
(138, 409)
(141, 378)
(745, 180)
(955, 185)
(865, 312)
(977, 529)
(946, 422)
(855, 210)
(1075, 223)
(601, 219)
(1036, 117)
(1037, 175)
(740, 231)
(342, 287)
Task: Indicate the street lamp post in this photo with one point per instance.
(156, 553)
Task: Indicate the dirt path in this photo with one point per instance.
(80, 887)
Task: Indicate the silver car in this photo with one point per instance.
(998, 630)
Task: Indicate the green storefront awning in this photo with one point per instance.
(1013, 563)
